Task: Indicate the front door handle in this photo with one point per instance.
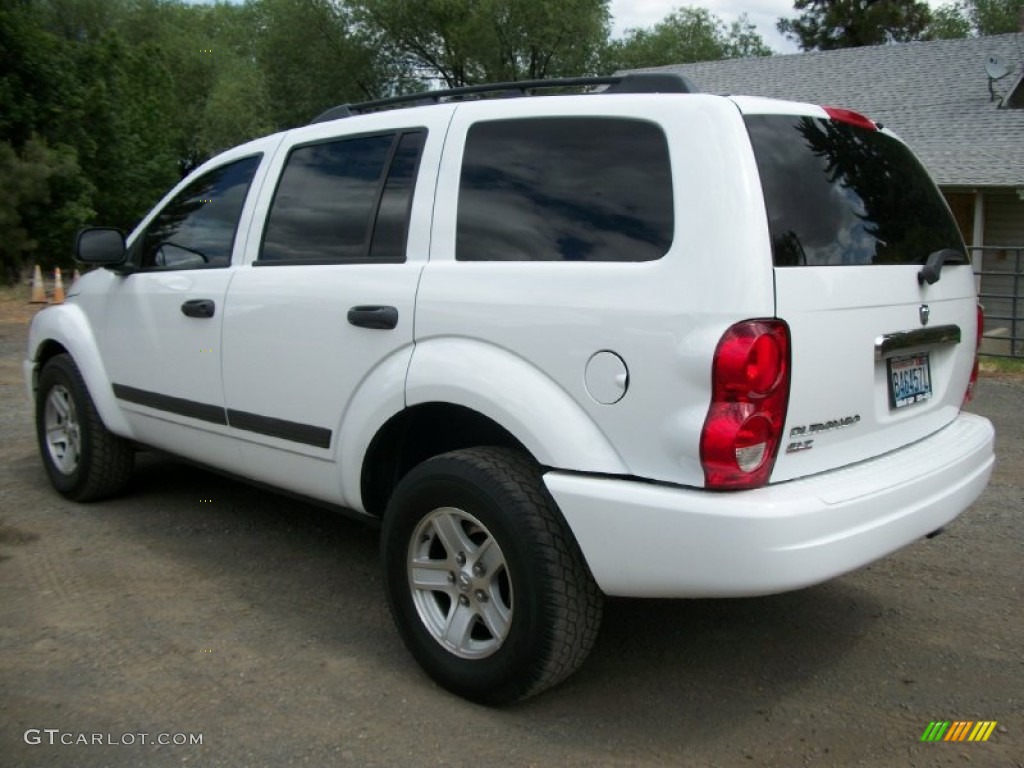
(198, 308)
(377, 317)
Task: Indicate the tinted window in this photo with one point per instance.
(839, 194)
(391, 228)
(197, 228)
(565, 189)
(325, 202)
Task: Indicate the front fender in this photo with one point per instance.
(67, 325)
(514, 393)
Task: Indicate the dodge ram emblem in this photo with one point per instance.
(924, 312)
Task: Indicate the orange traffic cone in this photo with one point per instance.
(75, 276)
(38, 289)
(58, 287)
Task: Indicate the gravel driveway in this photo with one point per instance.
(196, 607)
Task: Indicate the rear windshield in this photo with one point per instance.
(838, 194)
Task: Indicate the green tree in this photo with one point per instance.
(183, 56)
(44, 193)
(949, 22)
(537, 39)
(237, 108)
(743, 41)
(469, 41)
(976, 17)
(44, 199)
(685, 35)
(829, 24)
(35, 73)
(313, 56)
(994, 17)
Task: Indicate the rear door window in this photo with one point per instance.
(838, 194)
(565, 189)
(344, 201)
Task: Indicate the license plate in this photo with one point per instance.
(910, 380)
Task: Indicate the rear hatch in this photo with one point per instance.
(880, 357)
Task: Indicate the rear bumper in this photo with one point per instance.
(647, 540)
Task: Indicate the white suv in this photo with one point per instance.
(639, 342)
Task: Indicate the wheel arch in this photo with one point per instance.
(65, 329)
(461, 393)
(416, 434)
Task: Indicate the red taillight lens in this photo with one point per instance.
(750, 392)
(850, 117)
(969, 394)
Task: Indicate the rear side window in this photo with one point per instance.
(565, 189)
(344, 201)
(837, 194)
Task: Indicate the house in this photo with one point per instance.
(938, 96)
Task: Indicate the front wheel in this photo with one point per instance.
(84, 461)
(486, 583)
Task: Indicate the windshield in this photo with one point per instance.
(837, 194)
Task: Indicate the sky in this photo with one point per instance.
(762, 13)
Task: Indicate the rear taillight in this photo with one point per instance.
(749, 395)
(850, 117)
(977, 348)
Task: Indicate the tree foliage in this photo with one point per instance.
(686, 35)
(825, 25)
(463, 42)
(948, 22)
(311, 56)
(994, 17)
(977, 17)
(44, 194)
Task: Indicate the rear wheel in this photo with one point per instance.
(84, 461)
(485, 581)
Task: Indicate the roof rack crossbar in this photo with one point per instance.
(637, 82)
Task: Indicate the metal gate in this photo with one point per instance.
(1001, 291)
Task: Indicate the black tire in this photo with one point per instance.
(84, 461)
(539, 587)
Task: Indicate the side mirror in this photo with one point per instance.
(102, 246)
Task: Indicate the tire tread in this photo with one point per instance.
(572, 627)
(108, 460)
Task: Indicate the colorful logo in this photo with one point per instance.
(958, 730)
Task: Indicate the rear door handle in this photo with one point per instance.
(377, 317)
(198, 308)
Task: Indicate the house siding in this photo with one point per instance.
(962, 206)
(1005, 219)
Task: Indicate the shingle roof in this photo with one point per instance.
(933, 94)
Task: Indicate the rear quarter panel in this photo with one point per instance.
(663, 317)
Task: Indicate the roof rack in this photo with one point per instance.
(637, 82)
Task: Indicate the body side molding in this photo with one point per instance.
(307, 434)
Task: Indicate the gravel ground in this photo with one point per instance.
(197, 605)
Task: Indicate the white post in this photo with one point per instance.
(978, 236)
